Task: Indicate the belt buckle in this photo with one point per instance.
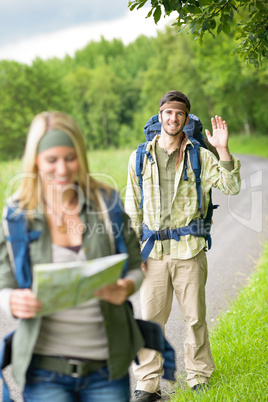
(75, 363)
(164, 234)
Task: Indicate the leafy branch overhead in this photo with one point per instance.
(246, 19)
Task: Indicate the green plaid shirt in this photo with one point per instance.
(184, 206)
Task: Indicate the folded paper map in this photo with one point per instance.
(64, 285)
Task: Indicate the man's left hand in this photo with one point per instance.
(219, 137)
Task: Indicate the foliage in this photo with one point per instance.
(216, 16)
(26, 91)
(112, 89)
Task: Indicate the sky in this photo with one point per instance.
(55, 28)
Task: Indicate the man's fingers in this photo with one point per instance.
(207, 133)
(213, 123)
(219, 122)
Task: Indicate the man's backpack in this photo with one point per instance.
(200, 227)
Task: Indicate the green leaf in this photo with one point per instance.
(149, 13)
(259, 5)
(193, 9)
(157, 14)
(193, 28)
(205, 26)
(203, 3)
(226, 28)
(212, 24)
(181, 29)
(220, 27)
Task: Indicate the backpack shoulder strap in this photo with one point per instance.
(115, 210)
(194, 152)
(140, 154)
(18, 238)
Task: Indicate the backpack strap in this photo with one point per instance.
(196, 166)
(194, 130)
(140, 153)
(18, 238)
(115, 209)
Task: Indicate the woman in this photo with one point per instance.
(81, 353)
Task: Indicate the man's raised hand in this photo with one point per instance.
(219, 137)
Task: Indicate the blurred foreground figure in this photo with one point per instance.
(81, 353)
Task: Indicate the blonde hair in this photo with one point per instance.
(29, 192)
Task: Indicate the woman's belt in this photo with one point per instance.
(73, 367)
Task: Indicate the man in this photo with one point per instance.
(171, 202)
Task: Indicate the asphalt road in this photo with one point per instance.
(239, 229)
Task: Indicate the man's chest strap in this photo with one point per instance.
(197, 227)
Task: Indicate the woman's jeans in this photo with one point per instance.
(49, 386)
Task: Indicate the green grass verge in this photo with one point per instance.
(253, 145)
(239, 345)
(106, 165)
(110, 165)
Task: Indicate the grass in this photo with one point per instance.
(110, 165)
(106, 165)
(239, 345)
(251, 145)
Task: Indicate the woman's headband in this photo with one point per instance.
(54, 138)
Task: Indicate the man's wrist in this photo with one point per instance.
(224, 154)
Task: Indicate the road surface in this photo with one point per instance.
(239, 230)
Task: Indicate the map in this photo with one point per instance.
(64, 285)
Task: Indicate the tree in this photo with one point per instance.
(247, 18)
(26, 91)
(104, 106)
(15, 113)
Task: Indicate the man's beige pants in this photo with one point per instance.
(188, 279)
